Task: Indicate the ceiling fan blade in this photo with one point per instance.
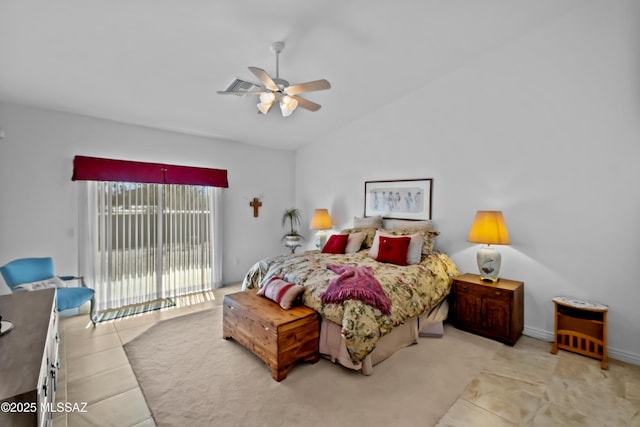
(264, 78)
(306, 104)
(307, 87)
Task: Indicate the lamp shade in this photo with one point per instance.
(321, 220)
(489, 227)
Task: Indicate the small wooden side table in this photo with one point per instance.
(581, 327)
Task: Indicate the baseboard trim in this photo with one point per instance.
(539, 334)
(625, 356)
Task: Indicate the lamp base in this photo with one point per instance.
(489, 261)
(320, 239)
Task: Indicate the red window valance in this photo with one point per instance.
(97, 169)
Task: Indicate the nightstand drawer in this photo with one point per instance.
(483, 291)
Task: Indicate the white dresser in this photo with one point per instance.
(29, 360)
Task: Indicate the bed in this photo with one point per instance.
(360, 334)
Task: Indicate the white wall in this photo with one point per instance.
(38, 207)
(546, 129)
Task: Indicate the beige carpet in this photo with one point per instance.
(191, 376)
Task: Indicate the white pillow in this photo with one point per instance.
(354, 242)
(414, 254)
(54, 282)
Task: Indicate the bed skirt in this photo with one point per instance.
(333, 345)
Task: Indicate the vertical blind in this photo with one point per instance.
(149, 241)
(144, 241)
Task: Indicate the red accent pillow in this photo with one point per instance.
(336, 244)
(393, 249)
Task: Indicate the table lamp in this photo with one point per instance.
(489, 228)
(321, 221)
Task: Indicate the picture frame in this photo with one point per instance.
(399, 199)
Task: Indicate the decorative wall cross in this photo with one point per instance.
(255, 204)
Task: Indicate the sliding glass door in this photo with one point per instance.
(141, 242)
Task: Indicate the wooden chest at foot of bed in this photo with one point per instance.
(279, 337)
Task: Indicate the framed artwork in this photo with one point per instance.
(400, 199)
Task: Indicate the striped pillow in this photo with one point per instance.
(284, 293)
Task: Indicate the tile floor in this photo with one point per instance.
(95, 369)
(525, 385)
(522, 385)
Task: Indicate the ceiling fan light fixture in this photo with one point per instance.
(266, 101)
(263, 108)
(267, 97)
(287, 105)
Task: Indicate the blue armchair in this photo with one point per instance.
(29, 270)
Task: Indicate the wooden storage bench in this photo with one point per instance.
(279, 337)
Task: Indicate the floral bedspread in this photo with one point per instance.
(412, 289)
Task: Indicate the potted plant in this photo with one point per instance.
(292, 216)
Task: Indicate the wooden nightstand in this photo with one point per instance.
(493, 310)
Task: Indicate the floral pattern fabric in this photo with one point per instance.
(413, 289)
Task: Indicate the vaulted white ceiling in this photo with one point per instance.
(159, 63)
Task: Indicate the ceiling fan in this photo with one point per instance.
(278, 90)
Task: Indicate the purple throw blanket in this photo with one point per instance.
(356, 283)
